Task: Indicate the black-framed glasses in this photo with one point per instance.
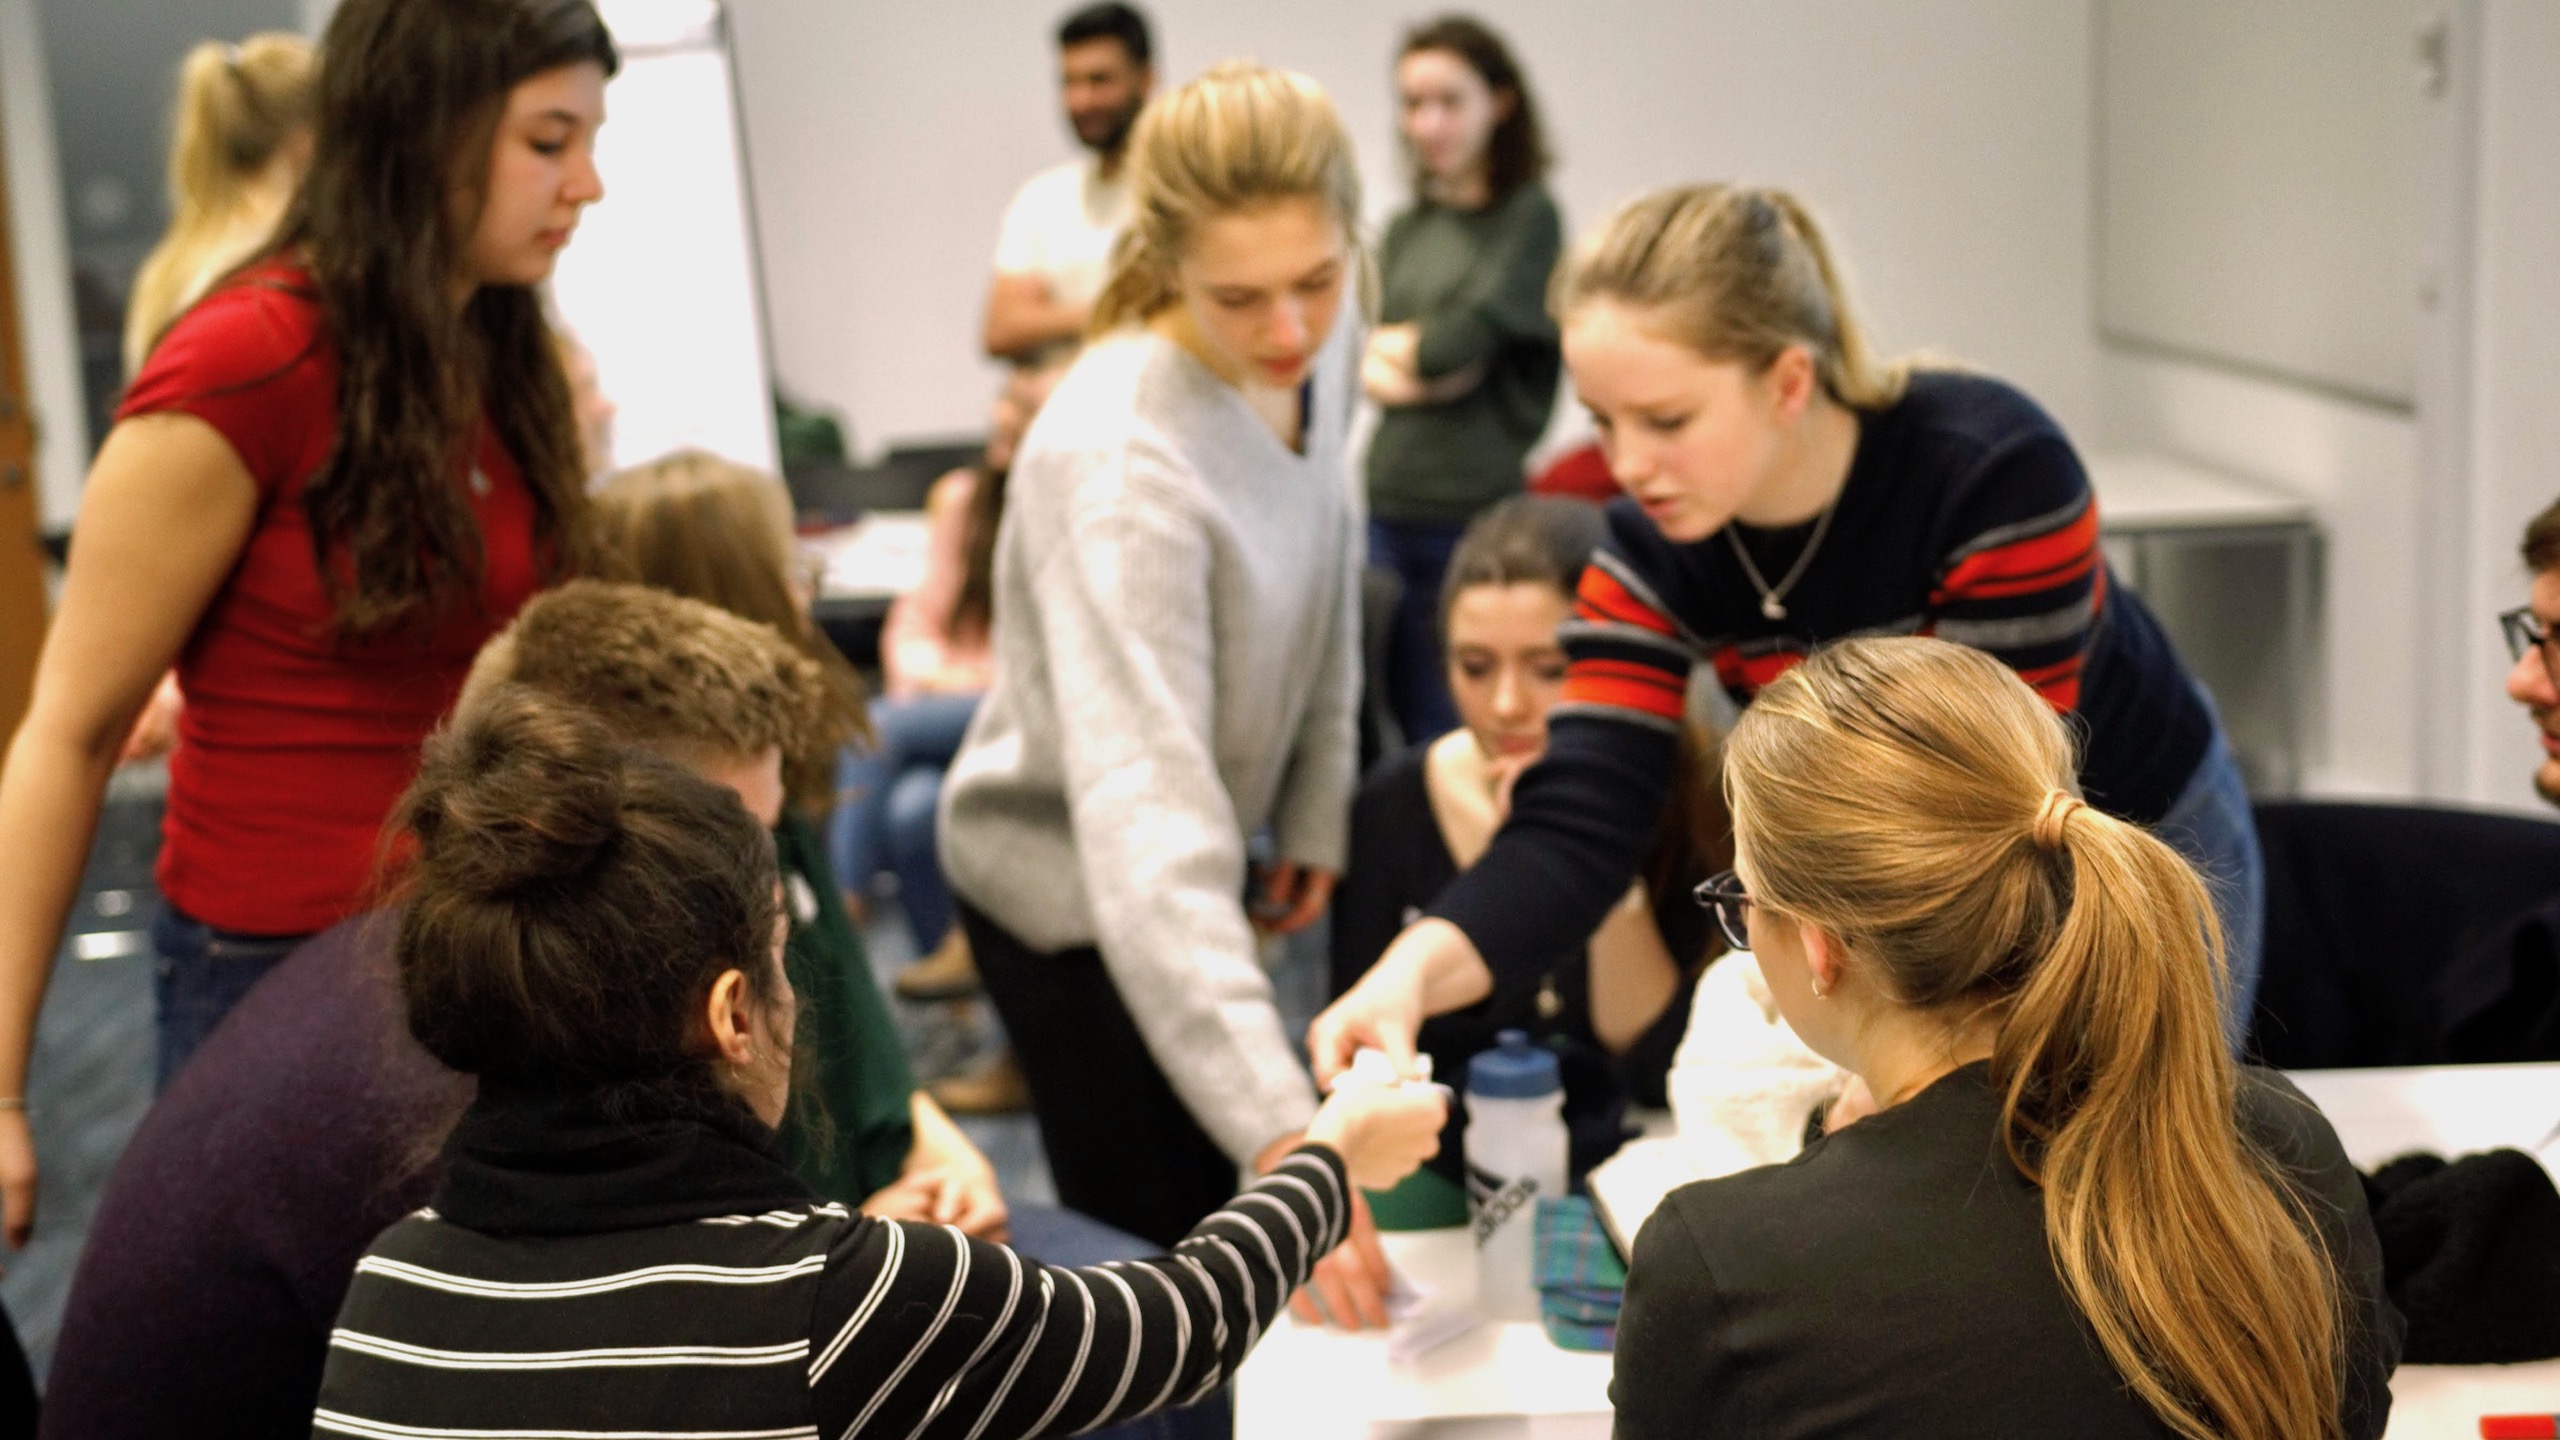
(1722, 893)
(2524, 632)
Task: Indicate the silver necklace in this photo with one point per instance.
(1772, 598)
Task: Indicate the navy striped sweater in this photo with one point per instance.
(1966, 515)
(804, 1322)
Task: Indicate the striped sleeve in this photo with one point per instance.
(2023, 578)
(920, 1333)
(1627, 659)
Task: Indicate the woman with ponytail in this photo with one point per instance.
(2072, 1212)
(595, 934)
(337, 475)
(1785, 489)
(241, 140)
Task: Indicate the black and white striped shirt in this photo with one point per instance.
(806, 1323)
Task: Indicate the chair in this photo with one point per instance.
(2407, 935)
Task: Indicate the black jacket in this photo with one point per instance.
(1893, 1281)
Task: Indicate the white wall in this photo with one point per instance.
(41, 252)
(2514, 422)
(1947, 143)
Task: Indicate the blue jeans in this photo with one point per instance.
(1417, 681)
(2210, 824)
(201, 973)
(885, 801)
(1055, 1235)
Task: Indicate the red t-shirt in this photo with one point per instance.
(295, 744)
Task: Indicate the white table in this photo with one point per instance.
(878, 557)
(1498, 1382)
(1507, 1382)
(2147, 503)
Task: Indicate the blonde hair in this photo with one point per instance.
(238, 106)
(1915, 799)
(1735, 274)
(1240, 136)
(713, 530)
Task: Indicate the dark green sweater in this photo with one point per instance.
(849, 1127)
(1475, 282)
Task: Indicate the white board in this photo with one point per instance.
(660, 283)
(2259, 186)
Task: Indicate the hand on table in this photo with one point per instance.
(1382, 1131)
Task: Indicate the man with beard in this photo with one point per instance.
(1055, 247)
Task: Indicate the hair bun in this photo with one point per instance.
(517, 792)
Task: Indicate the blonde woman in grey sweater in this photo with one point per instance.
(1176, 670)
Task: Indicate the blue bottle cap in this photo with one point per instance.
(1514, 1069)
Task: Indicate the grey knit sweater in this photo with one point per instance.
(1176, 667)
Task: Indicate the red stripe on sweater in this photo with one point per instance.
(2058, 683)
(2051, 553)
(1601, 599)
(1747, 675)
(1647, 692)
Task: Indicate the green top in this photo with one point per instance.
(1475, 281)
(849, 1128)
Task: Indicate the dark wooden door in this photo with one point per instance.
(22, 603)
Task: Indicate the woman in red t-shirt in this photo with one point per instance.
(334, 477)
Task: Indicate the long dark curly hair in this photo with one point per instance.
(410, 96)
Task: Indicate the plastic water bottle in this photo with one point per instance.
(1515, 1154)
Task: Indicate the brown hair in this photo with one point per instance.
(1240, 136)
(1735, 274)
(681, 676)
(696, 525)
(1915, 799)
(410, 96)
(2542, 540)
(237, 108)
(572, 901)
(1547, 540)
(1516, 153)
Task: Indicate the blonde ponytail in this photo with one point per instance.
(1736, 274)
(1241, 135)
(237, 107)
(1931, 820)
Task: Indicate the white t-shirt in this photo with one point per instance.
(1061, 226)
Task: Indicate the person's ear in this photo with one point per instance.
(1822, 952)
(727, 1011)
(1505, 101)
(1791, 381)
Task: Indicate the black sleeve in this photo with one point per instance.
(1670, 1377)
(920, 1331)
(2300, 1139)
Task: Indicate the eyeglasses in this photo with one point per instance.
(1722, 892)
(2524, 632)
